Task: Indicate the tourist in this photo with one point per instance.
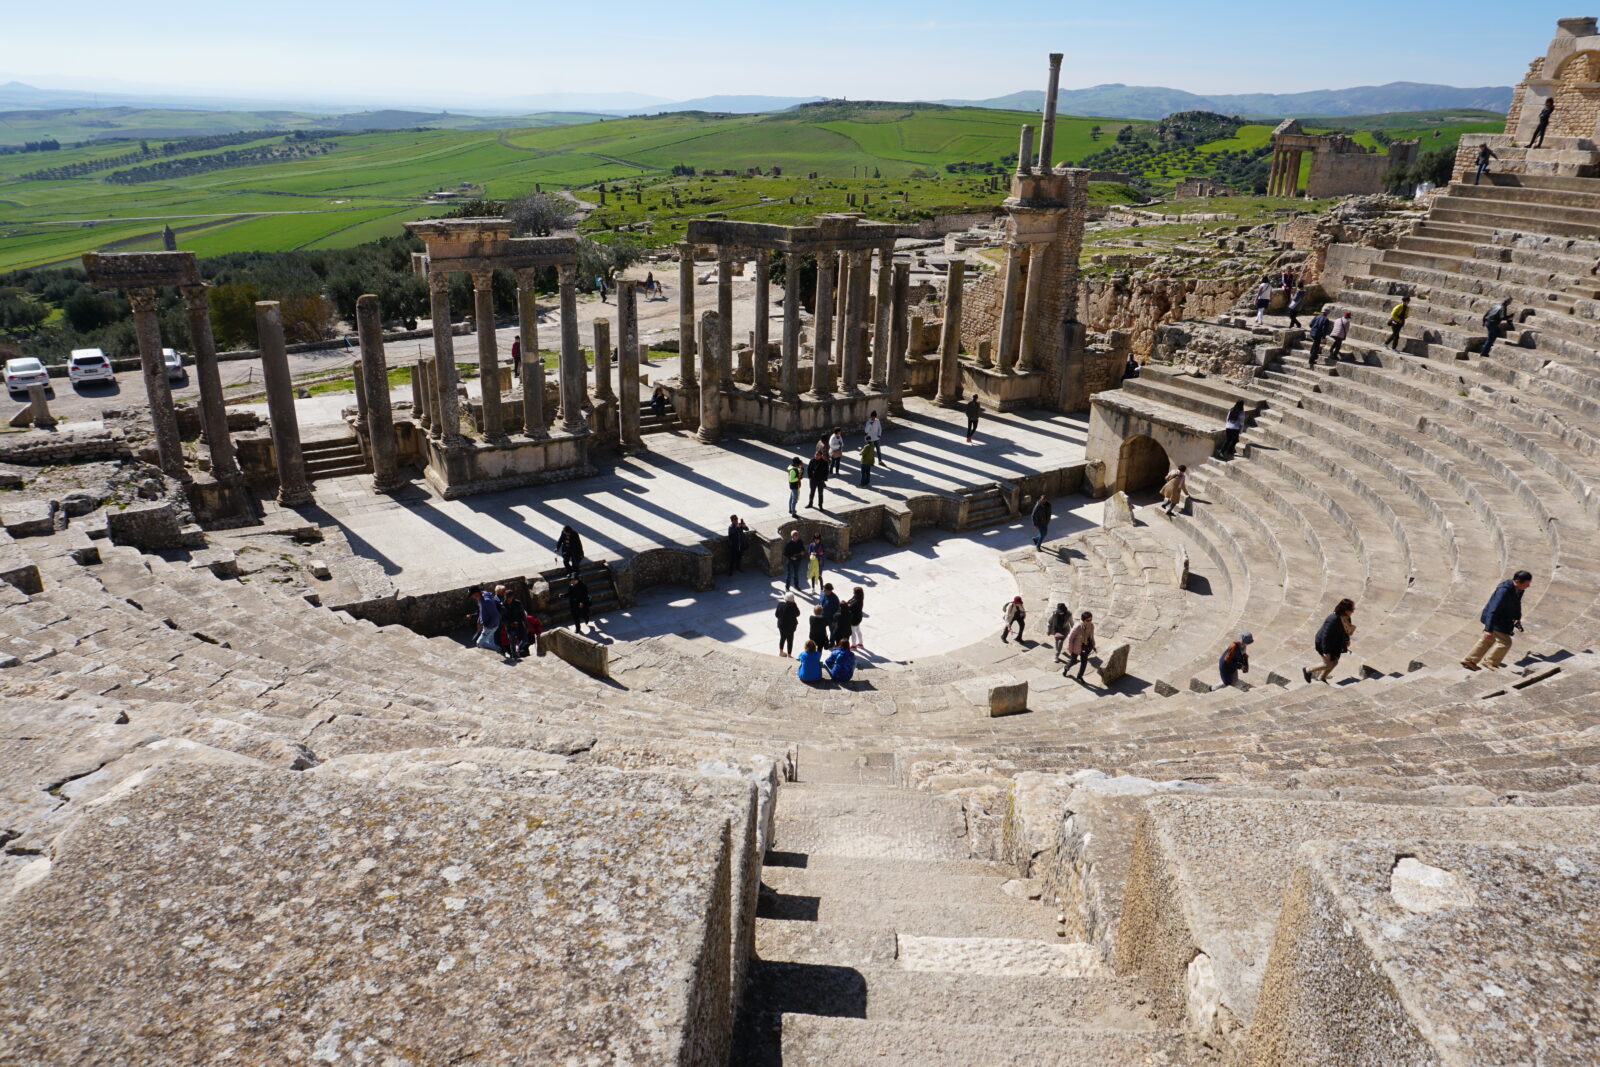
(841, 662)
(1080, 645)
(1016, 615)
(830, 609)
(1321, 326)
(1174, 488)
(487, 617)
(600, 287)
(1286, 280)
(973, 410)
(1131, 368)
(738, 541)
(531, 638)
(794, 554)
(809, 662)
(795, 473)
(1332, 640)
(1496, 321)
(788, 613)
(578, 603)
(1485, 153)
(1058, 626)
(1235, 659)
(1263, 298)
(815, 555)
(1397, 320)
(1042, 513)
(856, 607)
(835, 452)
(516, 357)
(1337, 335)
(1537, 140)
(514, 619)
(1501, 615)
(817, 629)
(1232, 426)
(649, 282)
(569, 546)
(873, 431)
(1292, 309)
(658, 403)
(868, 455)
(817, 479)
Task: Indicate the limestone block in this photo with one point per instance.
(28, 517)
(1008, 699)
(22, 419)
(17, 569)
(1115, 666)
(1118, 511)
(1180, 568)
(578, 650)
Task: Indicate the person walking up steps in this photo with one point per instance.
(973, 410)
(1080, 645)
(1496, 322)
(1232, 426)
(788, 614)
(794, 560)
(1059, 626)
(1501, 616)
(1042, 513)
(738, 541)
(795, 473)
(1397, 320)
(1320, 327)
(1485, 153)
(1337, 335)
(1263, 298)
(868, 456)
(1235, 659)
(1174, 488)
(1332, 641)
(1297, 298)
(874, 434)
(835, 452)
(569, 546)
(815, 554)
(578, 603)
(1537, 140)
(817, 479)
(1015, 615)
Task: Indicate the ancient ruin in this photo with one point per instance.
(1339, 166)
(264, 801)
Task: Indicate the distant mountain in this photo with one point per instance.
(730, 105)
(1154, 102)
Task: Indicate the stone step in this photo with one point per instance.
(868, 821)
(1000, 917)
(815, 1041)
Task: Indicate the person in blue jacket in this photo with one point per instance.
(841, 662)
(1500, 617)
(810, 663)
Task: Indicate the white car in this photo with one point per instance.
(24, 372)
(89, 365)
(174, 364)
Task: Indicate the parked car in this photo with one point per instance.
(174, 364)
(89, 365)
(24, 372)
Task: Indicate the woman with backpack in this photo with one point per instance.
(1332, 641)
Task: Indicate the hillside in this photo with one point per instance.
(1153, 102)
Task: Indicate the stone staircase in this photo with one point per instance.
(335, 458)
(602, 593)
(987, 507)
(880, 940)
(666, 422)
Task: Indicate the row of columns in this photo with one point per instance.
(1020, 305)
(1284, 177)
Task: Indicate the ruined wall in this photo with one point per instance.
(1139, 305)
(1346, 173)
(1514, 112)
(980, 310)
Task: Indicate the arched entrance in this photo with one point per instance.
(1577, 96)
(1143, 464)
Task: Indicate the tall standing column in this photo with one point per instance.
(881, 343)
(686, 323)
(169, 447)
(821, 374)
(447, 405)
(533, 416)
(950, 338)
(1025, 150)
(361, 395)
(841, 290)
(423, 393)
(724, 317)
(1047, 134)
(602, 360)
(789, 376)
(494, 425)
(573, 373)
(380, 417)
(759, 337)
(1009, 307)
(1032, 301)
(854, 312)
(213, 412)
(710, 395)
(293, 490)
(628, 367)
(899, 333)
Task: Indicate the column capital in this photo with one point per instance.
(194, 297)
(438, 281)
(527, 277)
(725, 253)
(482, 280)
(142, 299)
(567, 273)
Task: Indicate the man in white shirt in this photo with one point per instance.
(874, 433)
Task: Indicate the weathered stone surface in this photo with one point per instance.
(28, 517)
(1118, 512)
(216, 914)
(1115, 665)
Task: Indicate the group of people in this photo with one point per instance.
(827, 461)
(504, 624)
(1540, 128)
(1075, 637)
(1294, 296)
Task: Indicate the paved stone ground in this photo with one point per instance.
(680, 492)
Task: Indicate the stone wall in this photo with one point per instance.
(940, 225)
(1139, 305)
(39, 447)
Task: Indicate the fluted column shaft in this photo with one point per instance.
(213, 411)
(1032, 302)
(494, 425)
(147, 327)
(725, 258)
(950, 337)
(574, 375)
(822, 345)
(686, 323)
(854, 312)
(759, 338)
(882, 328)
(447, 406)
(380, 416)
(293, 490)
(789, 378)
(628, 366)
(534, 419)
(710, 395)
(1015, 257)
(899, 331)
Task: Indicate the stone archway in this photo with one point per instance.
(1142, 464)
(1577, 96)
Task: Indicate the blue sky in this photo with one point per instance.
(406, 51)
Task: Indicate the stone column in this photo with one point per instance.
(1047, 134)
(628, 434)
(1032, 302)
(725, 316)
(39, 409)
(293, 490)
(899, 333)
(710, 395)
(1025, 150)
(789, 377)
(361, 395)
(841, 290)
(950, 338)
(447, 406)
(213, 411)
(422, 393)
(169, 447)
(686, 324)
(1015, 255)
(854, 312)
(533, 416)
(494, 426)
(759, 338)
(574, 376)
(822, 346)
(380, 417)
(602, 360)
(882, 330)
